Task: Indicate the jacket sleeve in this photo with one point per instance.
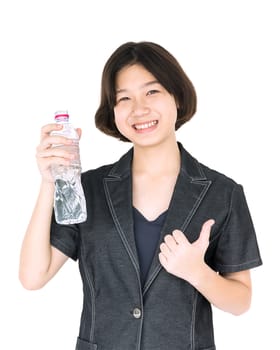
(65, 238)
(237, 248)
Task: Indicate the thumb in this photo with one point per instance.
(79, 132)
(205, 232)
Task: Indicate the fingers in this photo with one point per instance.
(48, 136)
(47, 154)
(48, 142)
(49, 139)
(55, 155)
(172, 243)
(178, 238)
(162, 259)
(165, 250)
(47, 129)
(205, 231)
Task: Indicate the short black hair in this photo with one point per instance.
(162, 65)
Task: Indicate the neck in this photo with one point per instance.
(157, 160)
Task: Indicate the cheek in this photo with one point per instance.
(171, 112)
(120, 118)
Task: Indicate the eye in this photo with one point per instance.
(152, 92)
(123, 98)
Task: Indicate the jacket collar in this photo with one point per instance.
(189, 166)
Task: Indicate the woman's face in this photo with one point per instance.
(145, 112)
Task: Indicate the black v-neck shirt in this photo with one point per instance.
(147, 234)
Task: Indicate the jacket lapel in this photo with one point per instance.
(118, 190)
(190, 189)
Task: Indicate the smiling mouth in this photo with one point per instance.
(145, 125)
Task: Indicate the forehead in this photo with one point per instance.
(134, 76)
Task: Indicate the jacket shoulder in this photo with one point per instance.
(198, 171)
(96, 173)
(218, 177)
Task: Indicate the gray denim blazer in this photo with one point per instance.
(167, 313)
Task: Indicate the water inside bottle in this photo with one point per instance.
(69, 202)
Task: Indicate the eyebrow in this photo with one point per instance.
(141, 87)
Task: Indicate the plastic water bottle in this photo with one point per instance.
(69, 198)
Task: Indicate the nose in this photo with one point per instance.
(140, 108)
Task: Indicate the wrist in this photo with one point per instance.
(47, 189)
(200, 276)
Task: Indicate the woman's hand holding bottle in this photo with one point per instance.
(48, 155)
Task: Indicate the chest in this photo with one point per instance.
(152, 195)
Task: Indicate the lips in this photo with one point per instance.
(145, 125)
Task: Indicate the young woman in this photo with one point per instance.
(165, 237)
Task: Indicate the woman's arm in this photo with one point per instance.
(39, 261)
(230, 293)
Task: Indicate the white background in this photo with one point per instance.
(52, 54)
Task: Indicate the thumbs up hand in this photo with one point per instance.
(184, 259)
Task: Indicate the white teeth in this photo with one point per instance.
(145, 126)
